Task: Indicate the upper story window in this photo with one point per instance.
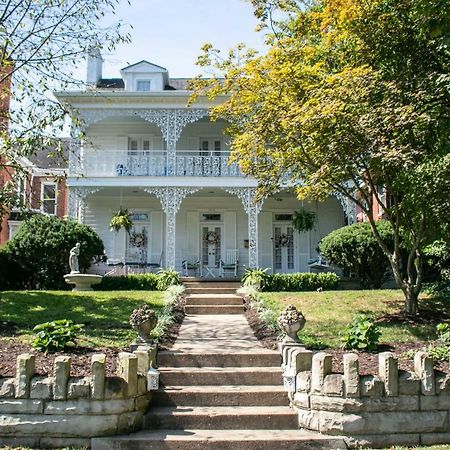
(48, 198)
(143, 85)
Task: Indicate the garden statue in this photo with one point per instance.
(82, 281)
(73, 259)
(291, 321)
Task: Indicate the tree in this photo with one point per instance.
(351, 95)
(40, 251)
(41, 44)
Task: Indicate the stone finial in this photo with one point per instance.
(388, 372)
(128, 370)
(351, 375)
(143, 320)
(98, 376)
(62, 373)
(424, 368)
(321, 367)
(291, 321)
(24, 372)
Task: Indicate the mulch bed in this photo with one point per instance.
(368, 362)
(81, 356)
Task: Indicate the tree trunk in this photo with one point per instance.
(411, 300)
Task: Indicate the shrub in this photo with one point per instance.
(354, 248)
(296, 282)
(41, 250)
(55, 336)
(135, 282)
(437, 259)
(255, 277)
(361, 334)
(167, 277)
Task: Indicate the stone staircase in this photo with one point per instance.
(219, 388)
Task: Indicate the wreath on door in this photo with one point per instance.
(138, 239)
(211, 237)
(284, 240)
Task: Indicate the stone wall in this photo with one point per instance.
(393, 407)
(63, 411)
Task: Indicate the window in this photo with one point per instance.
(283, 217)
(48, 198)
(211, 217)
(143, 85)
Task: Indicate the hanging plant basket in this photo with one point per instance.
(121, 219)
(304, 220)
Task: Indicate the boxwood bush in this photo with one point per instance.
(296, 282)
(354, 248)
(135, 282)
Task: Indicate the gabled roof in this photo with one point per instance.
(110, 83)
(154, 66)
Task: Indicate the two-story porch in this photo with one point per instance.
(168, 164)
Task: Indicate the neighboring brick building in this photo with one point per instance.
(42, 190)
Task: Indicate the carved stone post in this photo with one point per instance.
(171, 198)
(252, 208)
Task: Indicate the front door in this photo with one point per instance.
(137, 245)
(211, 245)
(283, 249)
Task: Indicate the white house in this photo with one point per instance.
(147, 151)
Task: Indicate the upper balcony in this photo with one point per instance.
(153, 163)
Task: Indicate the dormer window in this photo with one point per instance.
(143, 85)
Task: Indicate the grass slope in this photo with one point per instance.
(327, 313)
(105, 314)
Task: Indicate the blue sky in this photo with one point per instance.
(170, 33)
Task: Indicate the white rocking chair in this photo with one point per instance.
(191, 263)
(229, 262)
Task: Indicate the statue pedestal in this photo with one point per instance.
(82, 281)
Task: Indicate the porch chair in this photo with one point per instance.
(229, 262)
(153, 266)
(193, 263)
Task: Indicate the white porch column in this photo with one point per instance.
(252, 208)
(77, 202)
(348, 206)
(171, 198)
(171, 122)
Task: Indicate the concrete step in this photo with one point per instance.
(220, 396)
(191, 376)
(261, 358)
(210, 290)
(212, 284)
(221, 417)
(214, 309)
(219, 440)
(214, 299)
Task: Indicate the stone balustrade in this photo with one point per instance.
(61, 410)
(393, 407)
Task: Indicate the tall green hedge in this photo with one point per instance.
(296, 282)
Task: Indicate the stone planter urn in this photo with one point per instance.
(143, 320)
(291, 321)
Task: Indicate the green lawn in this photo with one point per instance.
(327, 313)
(105, 314)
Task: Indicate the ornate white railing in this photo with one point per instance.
(110, 163)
